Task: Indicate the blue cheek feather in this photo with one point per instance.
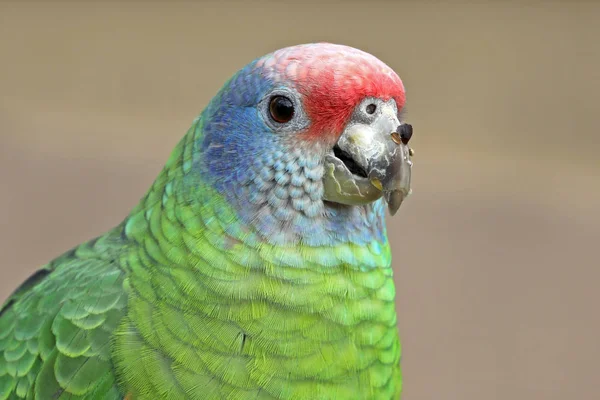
(275, 187)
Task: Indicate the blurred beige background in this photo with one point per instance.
(496, 253)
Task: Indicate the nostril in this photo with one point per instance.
(405, 131)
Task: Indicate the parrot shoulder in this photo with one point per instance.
(56, 328)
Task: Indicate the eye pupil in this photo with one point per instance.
(281, 109)
(371, 108)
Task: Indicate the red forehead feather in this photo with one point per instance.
(333, 79)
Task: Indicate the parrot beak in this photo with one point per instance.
(370, 161)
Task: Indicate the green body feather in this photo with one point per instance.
(56, 332)
(183, 301)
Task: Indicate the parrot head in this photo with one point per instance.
(308, 144)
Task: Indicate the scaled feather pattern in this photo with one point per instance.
(232, 278)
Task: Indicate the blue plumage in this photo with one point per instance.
(276, 183)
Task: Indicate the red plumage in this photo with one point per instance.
(333, 79)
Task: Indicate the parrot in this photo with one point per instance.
(257, 265)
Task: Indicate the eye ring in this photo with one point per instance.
(281, 109)
(371, 108)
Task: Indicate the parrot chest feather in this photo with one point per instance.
(231, 320)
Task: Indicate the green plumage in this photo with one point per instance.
(182, 300)
(215, 286)
(56, 331)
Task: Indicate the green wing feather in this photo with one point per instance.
(56, 328)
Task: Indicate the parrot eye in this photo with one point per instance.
(371, 108)
(281, 109)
